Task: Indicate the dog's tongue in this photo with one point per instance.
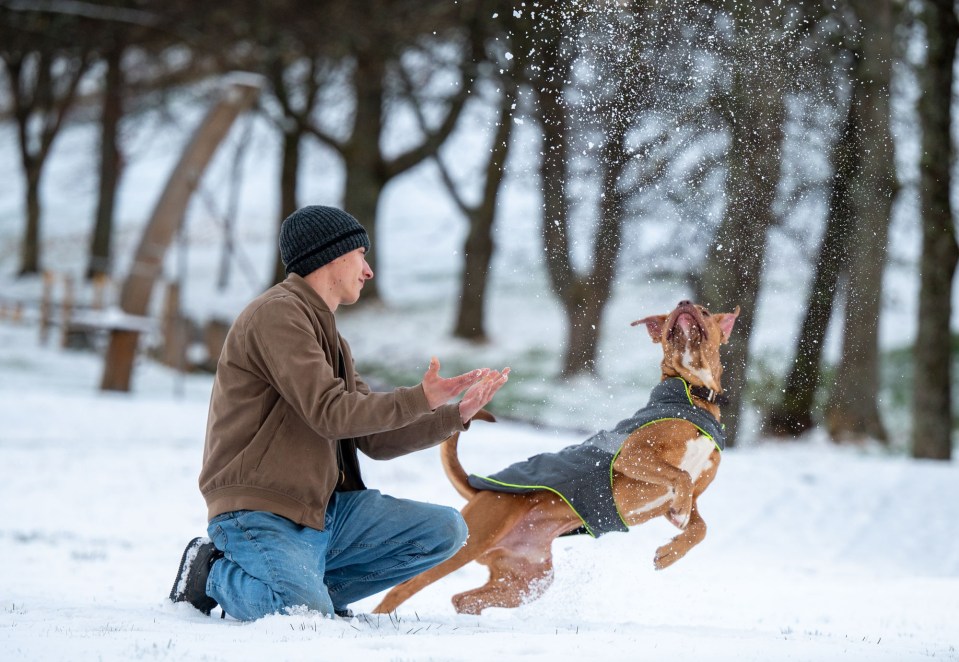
(686, 322)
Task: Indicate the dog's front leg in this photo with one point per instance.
(639, 460)
(695, 531)
(675, 549)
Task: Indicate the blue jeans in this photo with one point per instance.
(371, 542)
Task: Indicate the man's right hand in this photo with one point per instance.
(480, 393)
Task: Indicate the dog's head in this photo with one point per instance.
(691, 337)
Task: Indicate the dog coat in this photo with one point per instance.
(582, 474)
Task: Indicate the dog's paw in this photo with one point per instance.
(668, 554)
(664, 558)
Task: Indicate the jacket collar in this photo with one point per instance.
(295, 284)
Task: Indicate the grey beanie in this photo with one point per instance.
(313, 236)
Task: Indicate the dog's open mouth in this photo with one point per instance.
(689, 323)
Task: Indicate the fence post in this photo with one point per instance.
(46, 303)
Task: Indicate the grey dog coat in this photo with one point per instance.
(582, 474)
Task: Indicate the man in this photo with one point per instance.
(291, 522)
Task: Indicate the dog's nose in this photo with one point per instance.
(684, 302)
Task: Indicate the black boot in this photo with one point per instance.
(190, 583)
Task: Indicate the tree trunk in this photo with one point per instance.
(293, 120)
(932, 389)
(584, 313)
(30, 249)
(793, 415)
(587, 299)
(288, 186)
(853, 411)
(100, 263)
(238, 95)
(365, 176)
(583, 296)
(40, 104)
(734, 263)
(553, 167)
(554, 176)
(478, 250)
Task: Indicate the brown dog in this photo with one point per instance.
(659, 469)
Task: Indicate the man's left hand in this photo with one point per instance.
(440, 390)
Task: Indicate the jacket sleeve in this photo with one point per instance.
(283, 346)
(426, 432)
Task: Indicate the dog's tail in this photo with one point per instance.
(451, 461)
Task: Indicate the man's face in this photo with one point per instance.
(347, 275)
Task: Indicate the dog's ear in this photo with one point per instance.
(726, 322)
(654, 325)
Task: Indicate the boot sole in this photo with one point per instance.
(179, 584)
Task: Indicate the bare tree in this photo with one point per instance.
(500, 44)
(379, 32)
(619, 119)
(853, 412)
(116, 31)
(763, 37)
(794, 414)
(298, 59)
(932, 391)
(111, 161)
(296, 87)
(44, 57)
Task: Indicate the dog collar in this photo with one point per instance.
(708, 394)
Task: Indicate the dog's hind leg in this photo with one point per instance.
(489, 515)
(521, 564)
(513, 580)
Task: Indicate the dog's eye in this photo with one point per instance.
(704, 311)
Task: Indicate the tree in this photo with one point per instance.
(853, 413)
(296, 88)
(298, 60)
(623, 120)
(44, 57)
(794, 414)
(932, 391)
(111, 161)
(380, 32)
(116, 31)
(763, 37)
(500, 46)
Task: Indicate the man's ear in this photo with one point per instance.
(726, 322)
(654, 325)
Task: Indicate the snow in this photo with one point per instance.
(813, 553)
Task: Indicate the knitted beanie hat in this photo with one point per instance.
(313, 236)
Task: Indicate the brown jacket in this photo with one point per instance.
(278, 410)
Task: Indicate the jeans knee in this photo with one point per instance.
(313, 597)
(454, 531)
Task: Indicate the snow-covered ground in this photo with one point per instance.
(813, 552)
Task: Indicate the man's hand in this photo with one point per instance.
(480, 393)
(440, 390)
